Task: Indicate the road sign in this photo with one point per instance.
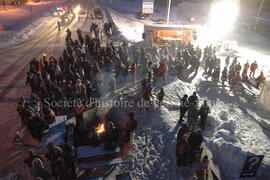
(251, 166)
(148, 6)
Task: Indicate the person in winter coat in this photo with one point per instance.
(245, 70)
(111, 137)
(260, 80)
(59, 76)
(202, 170)
(192, 115)
(236, 79)
(195, 140)
(133, 72)
(37, 127)
(130, 126)
(38, 169)
(227, 60)
(31, 156)
(182, 149)
(160, 96)
(78, 88)
(193, 99)
(203, 112)
(253, 68)
(49, 115)
(53, 154)
(224, 76)
(182, 130)
(183, 107)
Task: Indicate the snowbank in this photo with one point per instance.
(131, 29)
(8, 38)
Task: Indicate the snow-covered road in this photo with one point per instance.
(14, 66)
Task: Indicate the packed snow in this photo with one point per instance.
(232, 132)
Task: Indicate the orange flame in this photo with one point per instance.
(100, 128)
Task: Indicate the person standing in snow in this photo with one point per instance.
(202, 171)
(193, 99)
(58, 26)
(203, 112)
(133, 72)
(182, 149)
(227, 60)
(192, 115)
(160, 96)
(245, 70)
(224, 76)
(253, 68)
(260, 79)
(195, 140)
(130, 126)
(183, 107)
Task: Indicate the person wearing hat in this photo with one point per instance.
(54, 153)
(183, 107)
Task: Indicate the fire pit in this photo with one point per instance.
(100, 129)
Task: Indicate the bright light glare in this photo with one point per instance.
(77, 9)
(223, 16)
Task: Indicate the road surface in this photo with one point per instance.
(14, 66)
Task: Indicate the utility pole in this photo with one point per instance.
(168, 10)
(258, 15)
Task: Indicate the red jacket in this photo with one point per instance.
(133, 69)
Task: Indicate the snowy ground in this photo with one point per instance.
(232, 130)
(231, 133)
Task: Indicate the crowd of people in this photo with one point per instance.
(87, 70)
(72, 77)
(233, 72)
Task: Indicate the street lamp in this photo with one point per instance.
(168, 10)
(258, 15)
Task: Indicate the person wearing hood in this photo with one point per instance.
(38, 169)
(111, 137)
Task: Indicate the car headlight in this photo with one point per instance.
(55, 13)
(60, 20)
